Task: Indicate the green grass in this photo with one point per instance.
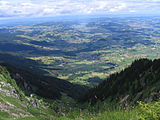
(4, 115)
(106, 115)
(70, 110)
(118, 115)
(31, 118)
(150, 111)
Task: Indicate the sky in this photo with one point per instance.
(43, 8)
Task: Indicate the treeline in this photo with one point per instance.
(140, 81)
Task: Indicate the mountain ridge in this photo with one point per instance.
(41, 85)
(138, 82)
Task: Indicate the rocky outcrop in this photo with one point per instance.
(8, 90)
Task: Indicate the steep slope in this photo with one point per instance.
(43, 86)
(140, 81)
(15, 105)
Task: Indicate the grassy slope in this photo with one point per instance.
(15, 105)
(21, 108)
(12, 107)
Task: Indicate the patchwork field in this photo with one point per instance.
(84, 51)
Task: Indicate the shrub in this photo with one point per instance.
(150, 111)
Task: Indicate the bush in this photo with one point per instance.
(150, 111)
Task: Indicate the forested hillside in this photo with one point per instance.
(26, 95)
(139, 82)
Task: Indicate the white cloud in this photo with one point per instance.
(63, 7)
(118, 7)
(4, 2)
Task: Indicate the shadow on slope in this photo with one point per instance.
(31, 79)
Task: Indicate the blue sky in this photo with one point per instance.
(40, 8)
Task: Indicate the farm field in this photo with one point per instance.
(84, 51)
